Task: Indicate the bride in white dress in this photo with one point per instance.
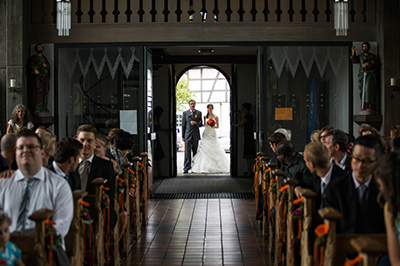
(210, 156)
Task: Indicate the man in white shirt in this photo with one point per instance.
(34, 187)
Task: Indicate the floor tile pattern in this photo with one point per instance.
(200, 232)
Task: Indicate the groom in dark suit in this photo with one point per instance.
(191, 122)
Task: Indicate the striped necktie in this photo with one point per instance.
(24, 208)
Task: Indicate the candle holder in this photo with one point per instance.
(13, 86)
(394, 85)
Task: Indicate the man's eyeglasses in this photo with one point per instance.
(364, 161)
(28, 147)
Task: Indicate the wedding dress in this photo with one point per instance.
(210, 156)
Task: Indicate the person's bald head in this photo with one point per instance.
(8, 143)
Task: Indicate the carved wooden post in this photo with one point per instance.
(99, 233)
(40, 216)
(116, 233)
(126, 167)
(144, 190)
(308, 195)
(136, 214)
(271, 228)
(74, 241)
(278, 244)
(330, 216)
(370, 248)
(289, 226)
(264, 193)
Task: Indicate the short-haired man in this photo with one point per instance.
(274, 140)
(66, 160)
(336, 141)
(91, 166)
(317, 158)
(191, 122)
(33, 187)
(7, 154)
(292, 162)
(354, 196)
(323, 133)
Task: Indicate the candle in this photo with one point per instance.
(12, 83)
(393, 82)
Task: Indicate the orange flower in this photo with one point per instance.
(49, 223)
(84, 203)
(195, 116)
(298, 200)
(284, 188)
(354, 261)
(140, 164)
(105, 188)
(321, 230)
(120, 179)
(258, 157)
(132, 172)
(269, 169)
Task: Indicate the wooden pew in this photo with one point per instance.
(33, 246)
(289, 226)
(264, 181)
(369, 248)
(144, 188)
(271, 207)
(97, 250)
(136, 223)
(308, 195)
(278, 174)
(338, 245)
(74, 243)
(127, 174)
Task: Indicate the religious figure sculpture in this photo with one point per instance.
(367, 82)
(38, 80)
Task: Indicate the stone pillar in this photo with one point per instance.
(12, 53)
(388, 43)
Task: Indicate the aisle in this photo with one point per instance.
(200, 232)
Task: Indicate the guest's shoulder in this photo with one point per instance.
(341, 181)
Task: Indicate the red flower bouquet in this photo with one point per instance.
(211, 122)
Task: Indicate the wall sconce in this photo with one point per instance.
(393, 84)
(13, 86)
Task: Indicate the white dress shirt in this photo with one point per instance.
(49, 191)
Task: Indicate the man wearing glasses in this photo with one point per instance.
(33, 187)
(355, 195)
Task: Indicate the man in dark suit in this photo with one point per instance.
(8, 164)
(336, 141)
(191, 122)
(91, 167)
(66, 161)
(355, 195)
(292, 162)
(317, 158)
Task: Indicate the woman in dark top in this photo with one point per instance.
(249, 151)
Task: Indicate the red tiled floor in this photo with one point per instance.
(200, 232)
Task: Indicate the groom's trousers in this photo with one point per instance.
(190, 146)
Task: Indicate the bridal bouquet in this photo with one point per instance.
(211, 122)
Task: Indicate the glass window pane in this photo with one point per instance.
(194, 85)
(208, 85)
(206, 95)
(221, 85)
(210, 73)
(194, 73)
(218, 96)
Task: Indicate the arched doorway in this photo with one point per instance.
(206, 85)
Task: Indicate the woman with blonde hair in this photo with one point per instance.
(49, 142)
(101, 147)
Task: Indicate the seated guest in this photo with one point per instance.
(111, 138)
(317, 158)
(387, 175)
(354, 196)
(66, 160)
(33, 187)
(49, 147)
(323, 132)
(274, 140)
(102, 148)
(123, 148)
(314, 137)
(336, 141)
(292, 162)
(7, 155)
(10, 254)
(92, 167)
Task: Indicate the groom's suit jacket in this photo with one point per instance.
(190, 131)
